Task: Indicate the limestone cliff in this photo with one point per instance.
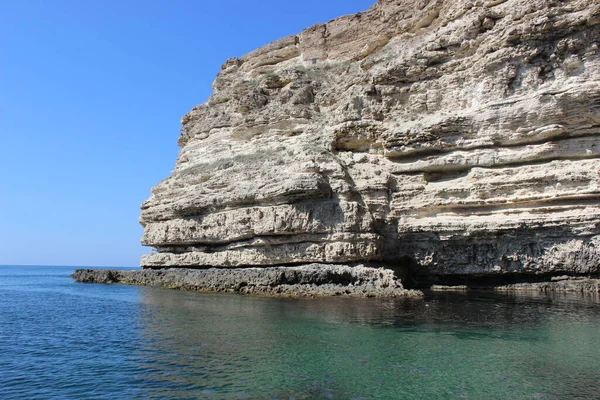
(450, 137)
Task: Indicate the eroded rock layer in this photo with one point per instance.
(449, 137)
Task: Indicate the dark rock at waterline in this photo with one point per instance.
(568, 284)
(311, 280)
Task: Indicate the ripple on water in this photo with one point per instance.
(66, 340)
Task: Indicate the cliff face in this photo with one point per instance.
(449, 137)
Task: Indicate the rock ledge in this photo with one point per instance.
(313, 280)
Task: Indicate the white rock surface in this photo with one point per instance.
(449, 137)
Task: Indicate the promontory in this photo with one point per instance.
(418, 143)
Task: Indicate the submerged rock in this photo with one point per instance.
(446, 138)
(304, 281)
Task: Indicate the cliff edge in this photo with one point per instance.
(442, 138)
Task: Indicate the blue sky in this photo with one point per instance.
(91, 94)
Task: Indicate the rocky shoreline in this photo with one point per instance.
(313, 280)
(565, 285)
(456, 141)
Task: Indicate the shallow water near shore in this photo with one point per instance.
(62, 339)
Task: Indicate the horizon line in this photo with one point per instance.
(60, 265)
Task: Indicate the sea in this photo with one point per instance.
(65, 340)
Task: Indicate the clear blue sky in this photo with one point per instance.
(91, 94)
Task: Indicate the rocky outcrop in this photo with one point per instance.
(561, 284)
(556, 284)
(312, 280)
(447, 138)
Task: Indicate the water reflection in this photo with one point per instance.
(446, 346)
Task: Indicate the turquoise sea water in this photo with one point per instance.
(64, 340)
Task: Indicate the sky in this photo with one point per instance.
(91, 97)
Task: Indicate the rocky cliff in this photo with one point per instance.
(440, 137)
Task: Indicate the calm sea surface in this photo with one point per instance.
(65, 340)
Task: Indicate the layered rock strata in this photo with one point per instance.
(445, 138)
(312, 280)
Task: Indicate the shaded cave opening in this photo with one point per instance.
(415, 276)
